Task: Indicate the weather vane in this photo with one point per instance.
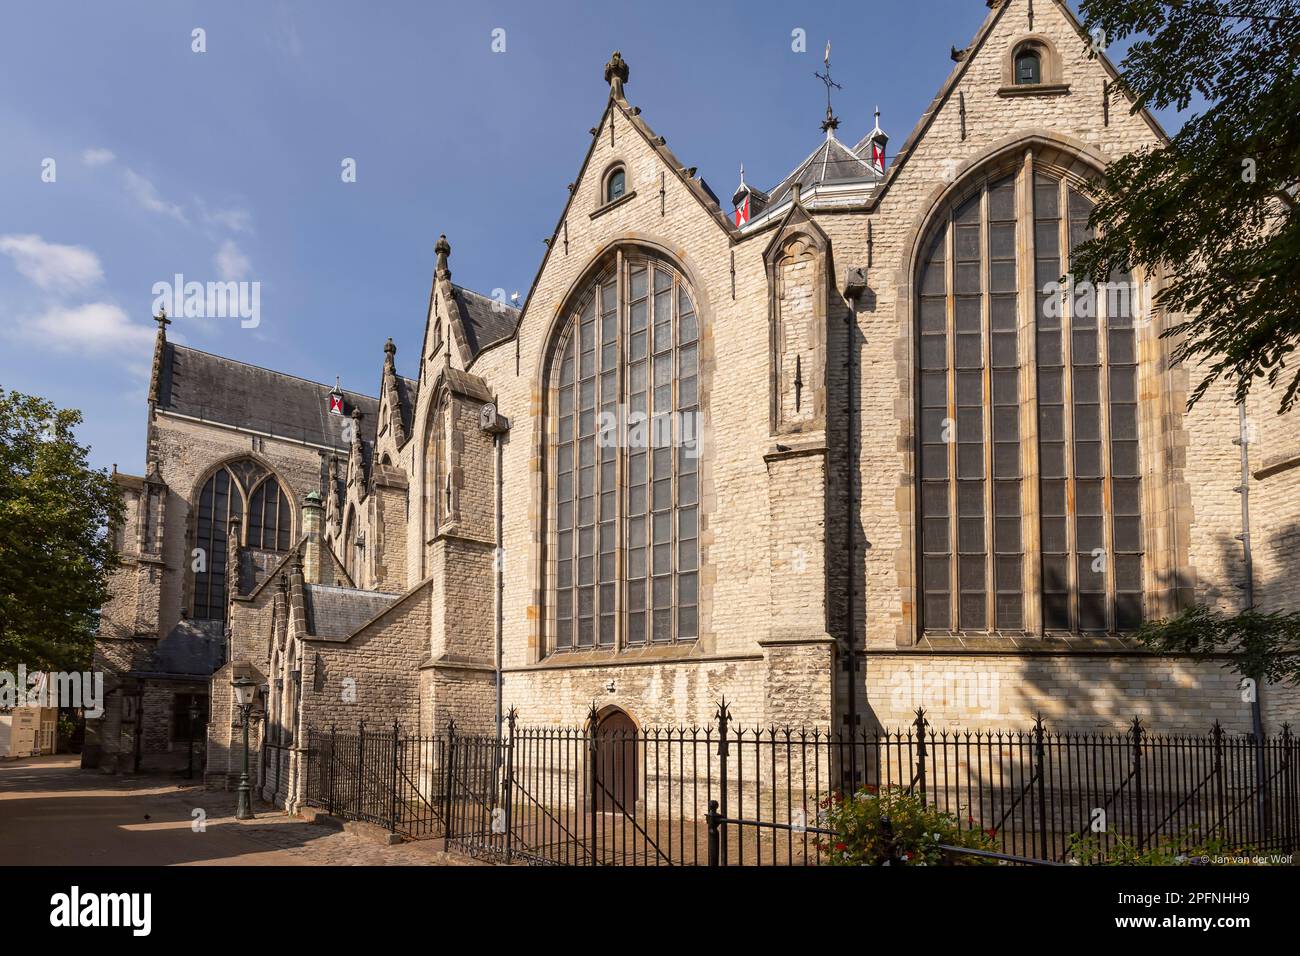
(830, 122)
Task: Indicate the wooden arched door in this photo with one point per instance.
(615, 779)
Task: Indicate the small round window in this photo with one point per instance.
(615, 185)
(1029, 67)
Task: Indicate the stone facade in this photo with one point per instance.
(421, 582)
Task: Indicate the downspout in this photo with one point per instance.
(851, 450)
(495, 424)
(1248, 593)
(1248, 560)
(498, 562)
(855, 284)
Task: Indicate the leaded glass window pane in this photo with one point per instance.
(634, 503)
(969, 429)
(1088, 430)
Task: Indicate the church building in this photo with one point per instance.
(843, 447)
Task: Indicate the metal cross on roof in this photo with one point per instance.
(830, 122)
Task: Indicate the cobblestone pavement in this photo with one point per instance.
(52, 812)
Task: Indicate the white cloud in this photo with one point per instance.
(236, 220)
(93, 328)
(147, 196)
(230, 261)
(97, 156)
(50, 265)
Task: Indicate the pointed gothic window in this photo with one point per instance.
(265, 522)
(268, 517)
(624, 463)
(1029, 66)
(616, 184)
(982, 334)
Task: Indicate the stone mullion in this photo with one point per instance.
(1102, 311)
(674, 378)
(1031, 573)
(1067, 397)
(950, 347)
(620, 460)
(986, 385)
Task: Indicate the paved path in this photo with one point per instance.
(53, 813)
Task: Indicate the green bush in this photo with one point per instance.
(862, 838)
(1177, 851)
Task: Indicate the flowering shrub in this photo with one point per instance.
(1179, 851)
(863, 839)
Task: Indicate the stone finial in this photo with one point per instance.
(443, 249)
(356, 428)
(616, 73)
(160, 340)
(389, 349)
(310, 553)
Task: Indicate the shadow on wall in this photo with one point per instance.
(1090, 688)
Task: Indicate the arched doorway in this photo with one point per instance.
(615, 778)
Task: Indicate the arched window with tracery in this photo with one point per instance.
(623, 461)
(241, 490)
(1017, 381)
(269, 517)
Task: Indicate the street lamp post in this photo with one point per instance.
(245, 692)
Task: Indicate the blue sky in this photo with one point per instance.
(226, 163)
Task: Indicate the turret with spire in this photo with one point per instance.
(872, 146)
(747, 201)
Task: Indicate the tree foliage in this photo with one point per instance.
(1258, 644)
(1214, 209)
(55, 549)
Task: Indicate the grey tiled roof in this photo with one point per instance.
(484, 320)
(831, 161)
(338, 612)
(407, 390)
(191, 647)
(218, 389)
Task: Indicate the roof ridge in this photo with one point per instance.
(263, 368)
(486, 298)
(352, 590)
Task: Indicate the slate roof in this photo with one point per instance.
(218, 389)
(338, 612)
(407, 390)
(831, 161)
(485, 320)
(190, 648)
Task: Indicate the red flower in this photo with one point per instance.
(841, 847)
(992, 831)
(871, 788)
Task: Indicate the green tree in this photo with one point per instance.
(55, 549)
(1258, 644)
(1215, 207)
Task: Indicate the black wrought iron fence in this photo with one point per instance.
(583, 795)
(381, 777)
